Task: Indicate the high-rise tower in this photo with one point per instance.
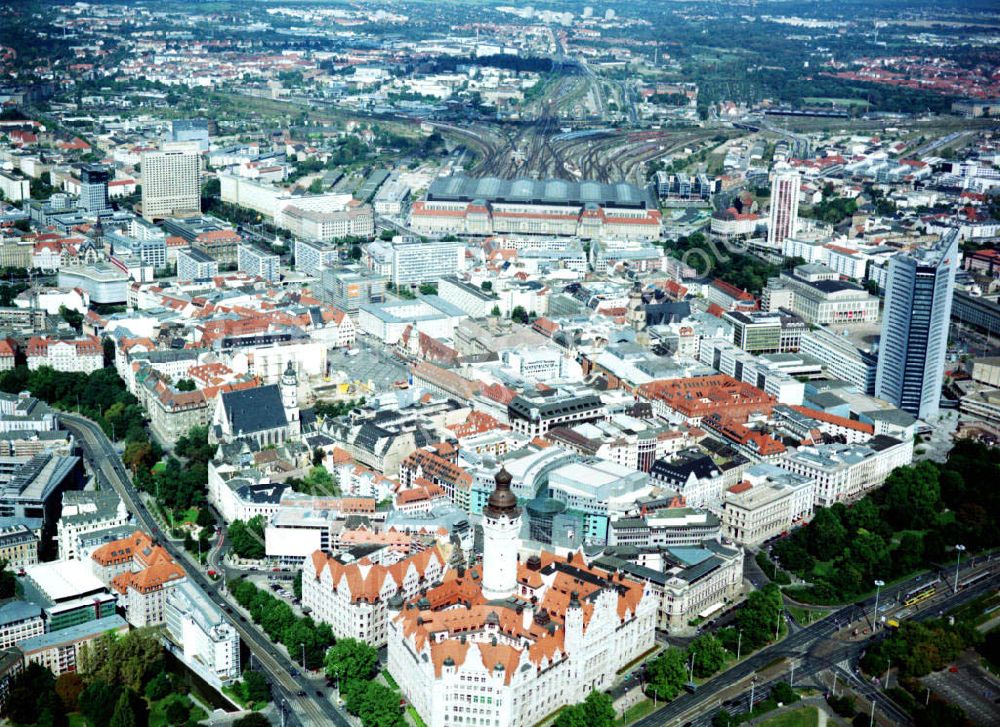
(501, 526)
(784, 206)
(915, 324)
(94, 180)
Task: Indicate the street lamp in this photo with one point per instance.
(303, 655)
(691, 667)
(958, 561)
(878, 585)
(739, 643)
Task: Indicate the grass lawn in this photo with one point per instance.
(805, 717)
(805, 616)
(158, 718)
(822, 569)
(639, 710)
(237, 697)
(414, 716)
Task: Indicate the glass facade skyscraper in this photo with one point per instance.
(915, 323)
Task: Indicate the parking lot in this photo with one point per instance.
(969, 686)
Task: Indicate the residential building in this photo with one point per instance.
(259, 263)
(59, 651)
(194, 265)
(170, 181)
(84, 513)
(18, 548)
(11, 664)
(14, 186)
(311, 256)
(84, 355)
(19, 620)
(914, 338)
(142, 573)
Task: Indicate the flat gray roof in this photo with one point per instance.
(539, 191)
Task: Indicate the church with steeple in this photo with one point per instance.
(265, 415)
(516, 636)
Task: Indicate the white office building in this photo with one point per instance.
(768, 502)
(193, 264)
(199, 633)
(170, 181)
(845, 472)
(259, 263)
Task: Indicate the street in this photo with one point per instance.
(305, 710)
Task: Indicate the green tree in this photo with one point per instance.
(758, 616)
(519, 314)
(8, 583)
(130, 660)
(827, 535)
(782, 692)
(177, 710)
(186, 385)
(247, 539)
(350, 659)
(254, 719)
(709, 655)
(205, 518)
(255, 687)
(98, 700)
(912, 496)
(376, 704)
(667, 673)
(599, 710)
(124, 714)
(159, 687)
(355, 253)
(316, 186)
(32, 698)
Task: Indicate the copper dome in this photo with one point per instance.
(502, 500)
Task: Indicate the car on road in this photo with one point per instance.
(294, 673)
(319, 693)
(301, 692)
